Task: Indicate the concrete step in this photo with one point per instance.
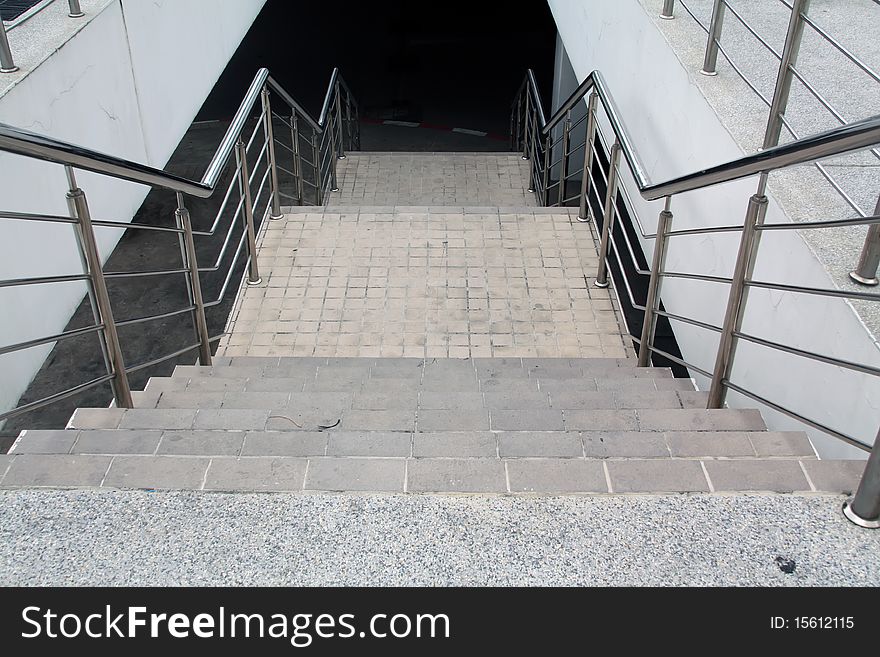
(321, 413)
(367, 398)
(428, 475)
(507, 444)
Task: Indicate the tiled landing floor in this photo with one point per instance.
(426, 282)
(397, 178)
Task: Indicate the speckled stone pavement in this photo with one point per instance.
(55, 537)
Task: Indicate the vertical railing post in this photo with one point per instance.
(864, 508)
(525, 126)
(584, 211)
(340, 144)
(319, 169)
(244, 188)
(7, 63)
(331, 128)
(667, 13)
(74, 9)
(515, 122)
(79, 209)
(710, 61)
(297, 156)
(652, 302)
(608, 216)
(784, 77)
(548, 147)
(865, 272)
(738, 296)
(532, 147)
(269, 131)
(348, 127)
(563, 163)
(194, 285)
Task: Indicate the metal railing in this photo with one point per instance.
(865, 273)
(551, 153)
(251, 154)
(7, 62)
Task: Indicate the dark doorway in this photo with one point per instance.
(452, 64)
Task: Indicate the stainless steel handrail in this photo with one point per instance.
(252, 206)
(535, 138)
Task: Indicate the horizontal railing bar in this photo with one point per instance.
(753, 32)
(161, 359)
(283, 119)
(292, 198)
(287, 171)
(119, 224)
(232, 225)
(679, 361)
(143, 274)
(855, 442)
(836, 44)
(150, 318)
(831, 223)
(238, 250)
(58, 337)
(688, 320)
(285, 147)
(27, 216)
(816, 291)
(702, 231)
(629, 292)
(257, 128)
(219, 214)
(217, 338)
(40, 280)
(696, 277)
(830, 360)
(287, 98)
(58, 396)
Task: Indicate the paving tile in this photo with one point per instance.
(96, 418)
(201, 443)
(366, 443)
(623, 444)
(601, 420)
(285, 443)
(437, 400)
(385, 401)
(516, 401)
(453, 420)
(757, 475)
(59, 470)
(44, 442)
(117, 441)
(170, 472)
(456, 476)
(572, 399)
(656, 476)
(835, 476)
(255, 400)
(386, 420)
(256, 474)
(349, 474)
(527, 420)
(231, 419)
(782, 443)
(187, 399)
(165, 418)
(540, 443)
(723, 419)
(556, 476)
(655, 400)
(455, 444)
(709, 443)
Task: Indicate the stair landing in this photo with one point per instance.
(427, 282)
(399, 178)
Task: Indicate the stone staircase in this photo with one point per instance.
(410, 425)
